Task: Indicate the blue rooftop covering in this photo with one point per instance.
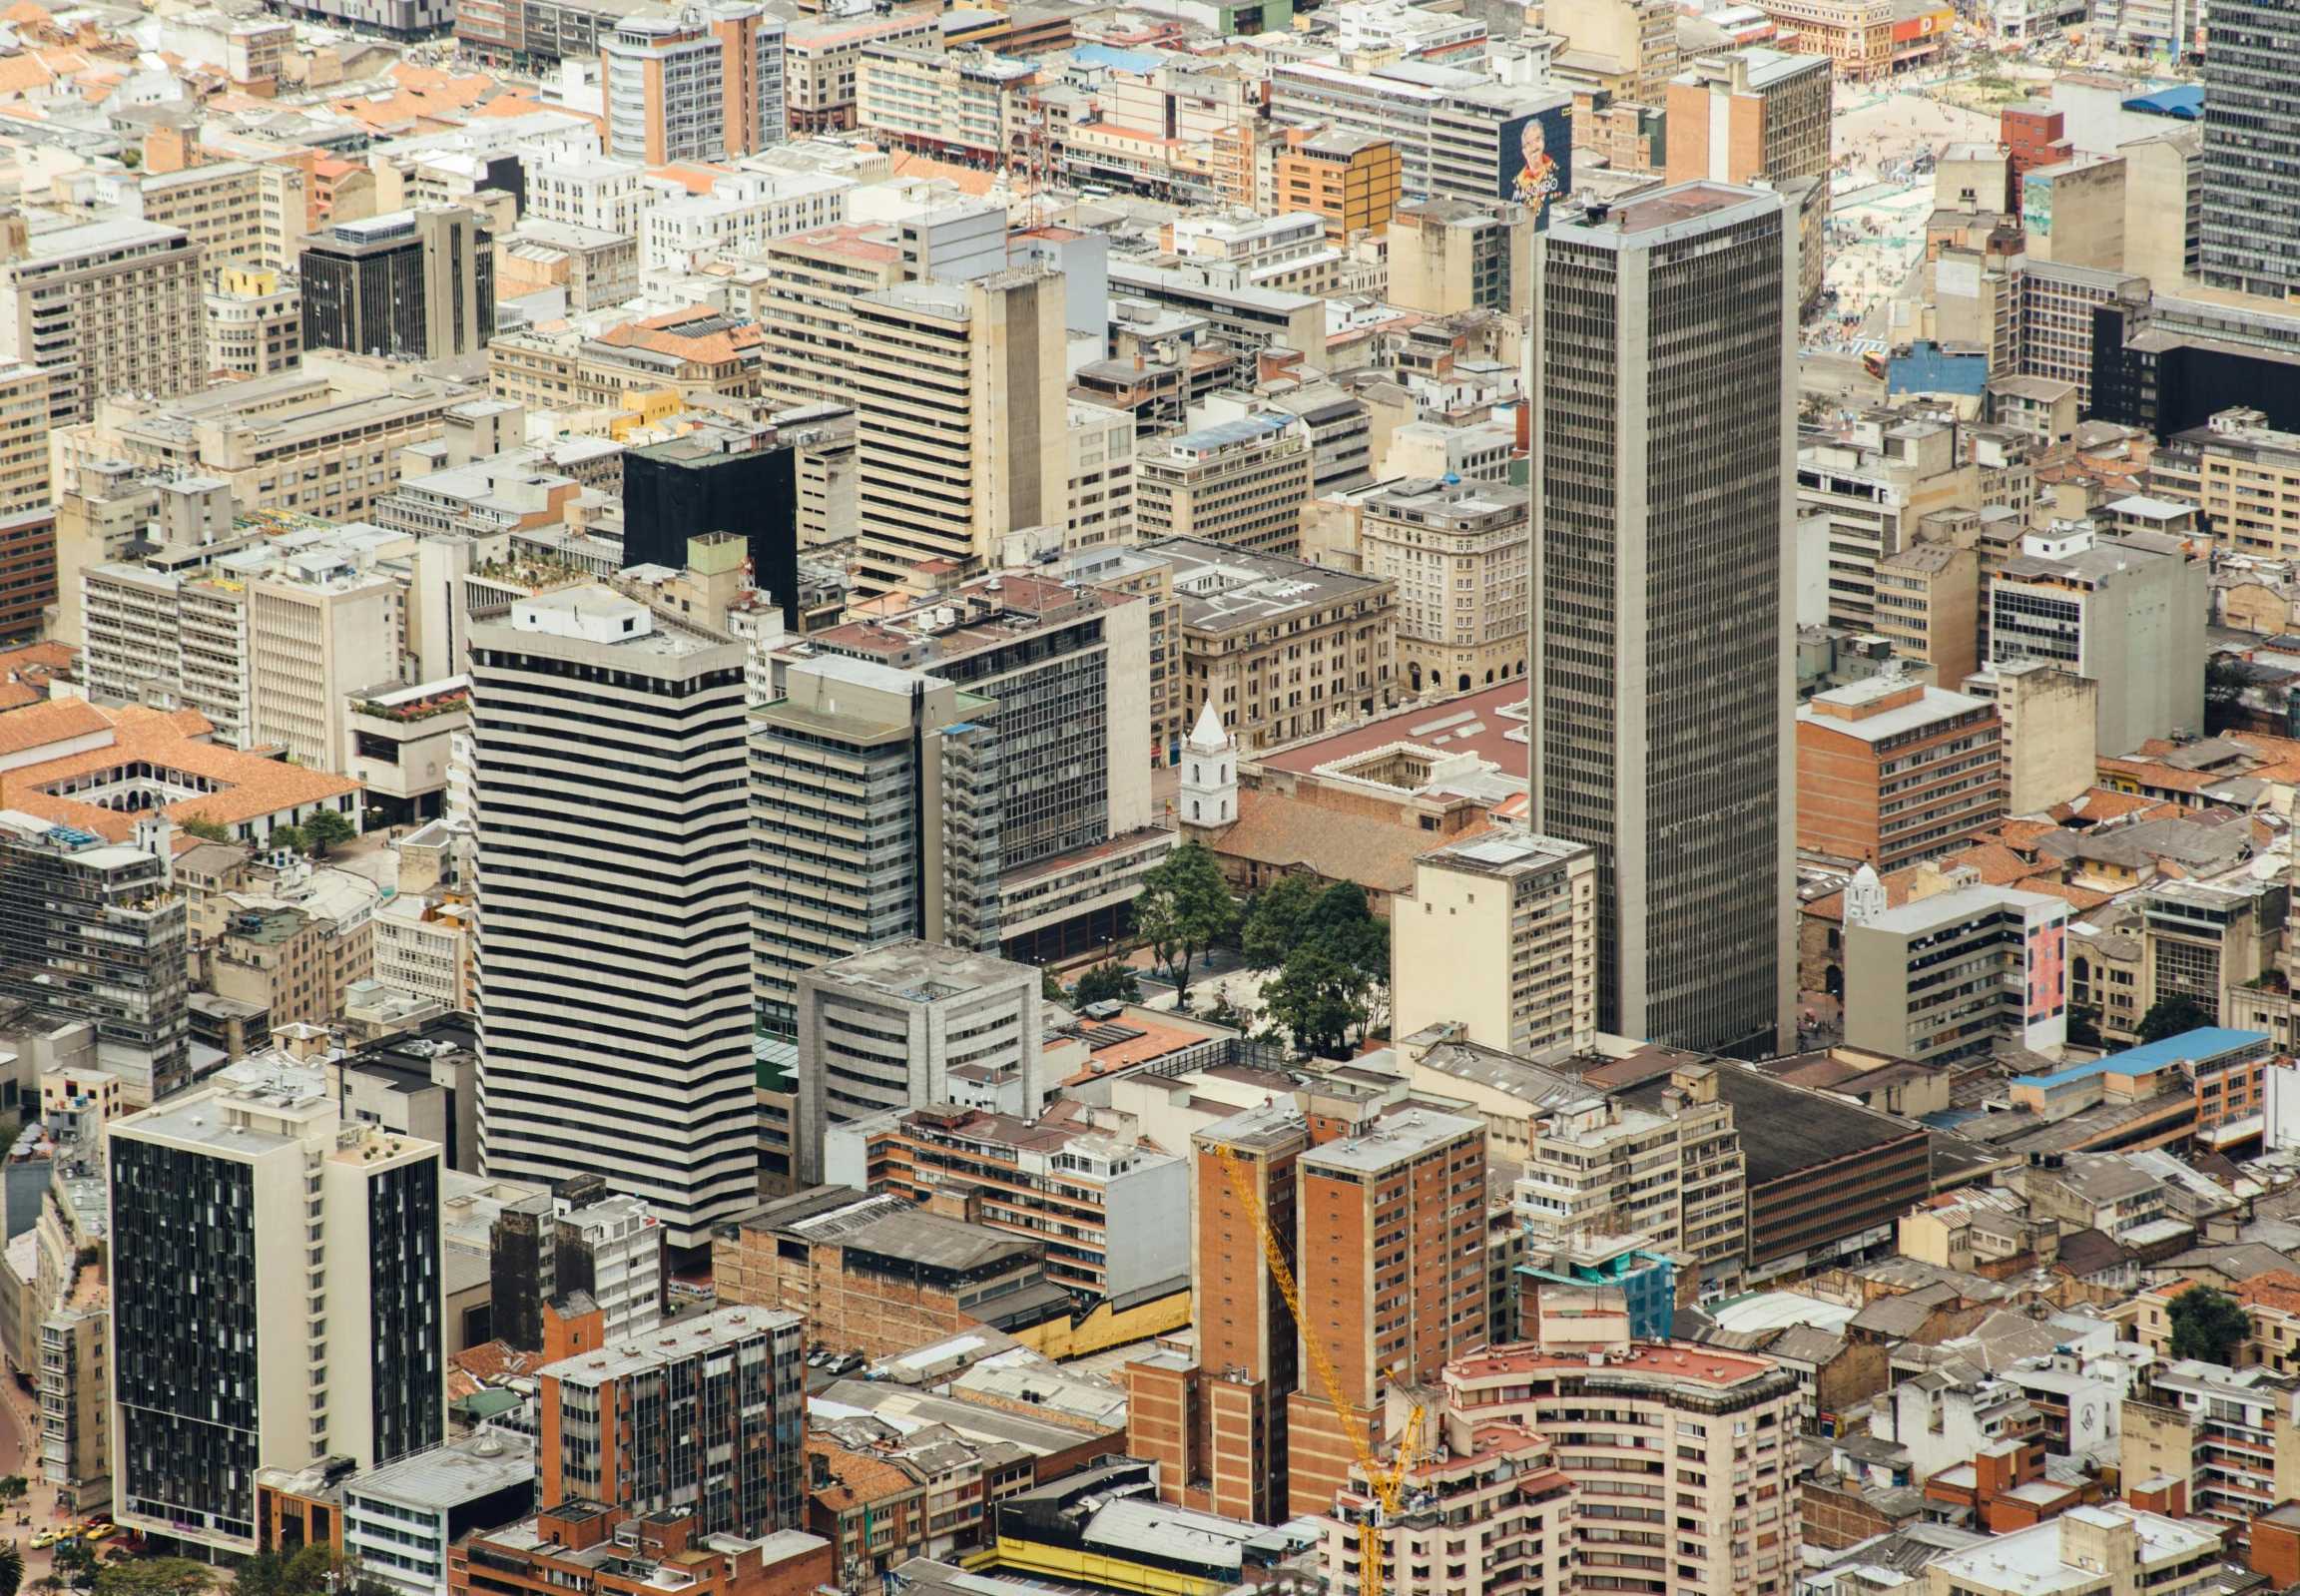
(2209, 1041)
(2182, 100)
(1102, 55)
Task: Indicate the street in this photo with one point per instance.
(1827, 374)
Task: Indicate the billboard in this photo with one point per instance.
(1535, 160)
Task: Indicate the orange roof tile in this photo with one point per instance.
(247, 787)
(24, 11)
(21, 74)
(2278, 1287)
(696, 176)
(49, 721)
(965, 179)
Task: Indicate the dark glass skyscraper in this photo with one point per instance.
(2251, 221)
(1664, 433)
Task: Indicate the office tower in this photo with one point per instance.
(960, 395)
(1500, 939)
(615, 993)
(911, 1023)
(1216, 1423)
(721, 477)
(412, 284)
(1065, 671)
(1746, 114)
(701, 86)
(2007, 950)
(95, 932)
(701, 1418)
(27, 507)
(2251, 215)
(874, 813)
(808, 321)
(2127, 612)
(275, 1280)
(1891, 770)
(109, 308)
(1389, 1202)
(1663, 429)
(1242, 483)
(1480, 143)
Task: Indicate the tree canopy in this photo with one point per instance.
(1183, 909)
(2170, 1016)
(155, 1576)
(2208, 1324)
(1332, 955)
(1109, 982)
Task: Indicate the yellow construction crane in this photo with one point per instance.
(1385, 1483)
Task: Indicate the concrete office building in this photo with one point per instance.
(27, 504)
(734, 1463)
(255, 326)
(240, 214)
(109, 308)
(1063, 673)
(1947, 977)
(93, 932)
(277, 1297)
(960, 396)
(1459, 555)
(613, 880)
(1518, 969)
(876, 807)
(1928, 606)
(909, 1025)
(704, 85)
(412, 284)
(1750, 112)
(1665, 697)
(808, 322)
(2251, 201)
(399, 1520)
(1241, 483)
(1458, 135)
(2128, 612)
(1891, 772)
(1450, 255)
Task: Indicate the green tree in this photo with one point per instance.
(11, 1568)
(290, 837)
(327, 829)
(2085, 1025)
(155, 1576)
(1276, 919)
(1050, 985)
(1110, 982)
(1183, 909)
(2207, 1325)
(2169, 1017)
(14, 1487)
(74, 1563)
(207, 830)
(1318, 998)
(1345, 924)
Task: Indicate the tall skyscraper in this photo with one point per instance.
(2251, 217)
(724, 477)
(961, 418)
(1662, 368)
(614, 897)
(276, 1280)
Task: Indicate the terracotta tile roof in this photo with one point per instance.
(2106, 803)
(965, 179)
(696, 176)
(2279, 1288)
(23, 74)
(249, 787)
(50, 721)
(855, 1478)
(1285, 832)
(24, 11)
(491, 1361)
(1998, 866)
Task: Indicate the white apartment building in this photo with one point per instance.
(238, 212)
(426, 950)
(701, 86)
(624, 1245)
(615, 1039)
(611, 196)
(1605, 1168)
(277, 1297)
(741, 214)
(1288, 251)
(2097, 1550)
(147, 631)
(1500, 937)
(961, 104)
(891, 1027)
(109, 308)
(255, 326)
(400, 1519)
(322, 622)
(24, 465)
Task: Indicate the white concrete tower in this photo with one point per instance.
(1209, 795)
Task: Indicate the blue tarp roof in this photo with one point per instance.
(1102, 55)
(2184, 100)
(2206, 1042)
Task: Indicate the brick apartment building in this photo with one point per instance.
(584, 1546)
(1891, 772)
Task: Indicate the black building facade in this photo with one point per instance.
(717, 480)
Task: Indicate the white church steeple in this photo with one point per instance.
(1209, 793)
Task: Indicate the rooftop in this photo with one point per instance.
(673, 1342)
(2204, 1043)
(450, 1475)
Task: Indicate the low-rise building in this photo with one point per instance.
(1242, 483)
(1951, 977)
